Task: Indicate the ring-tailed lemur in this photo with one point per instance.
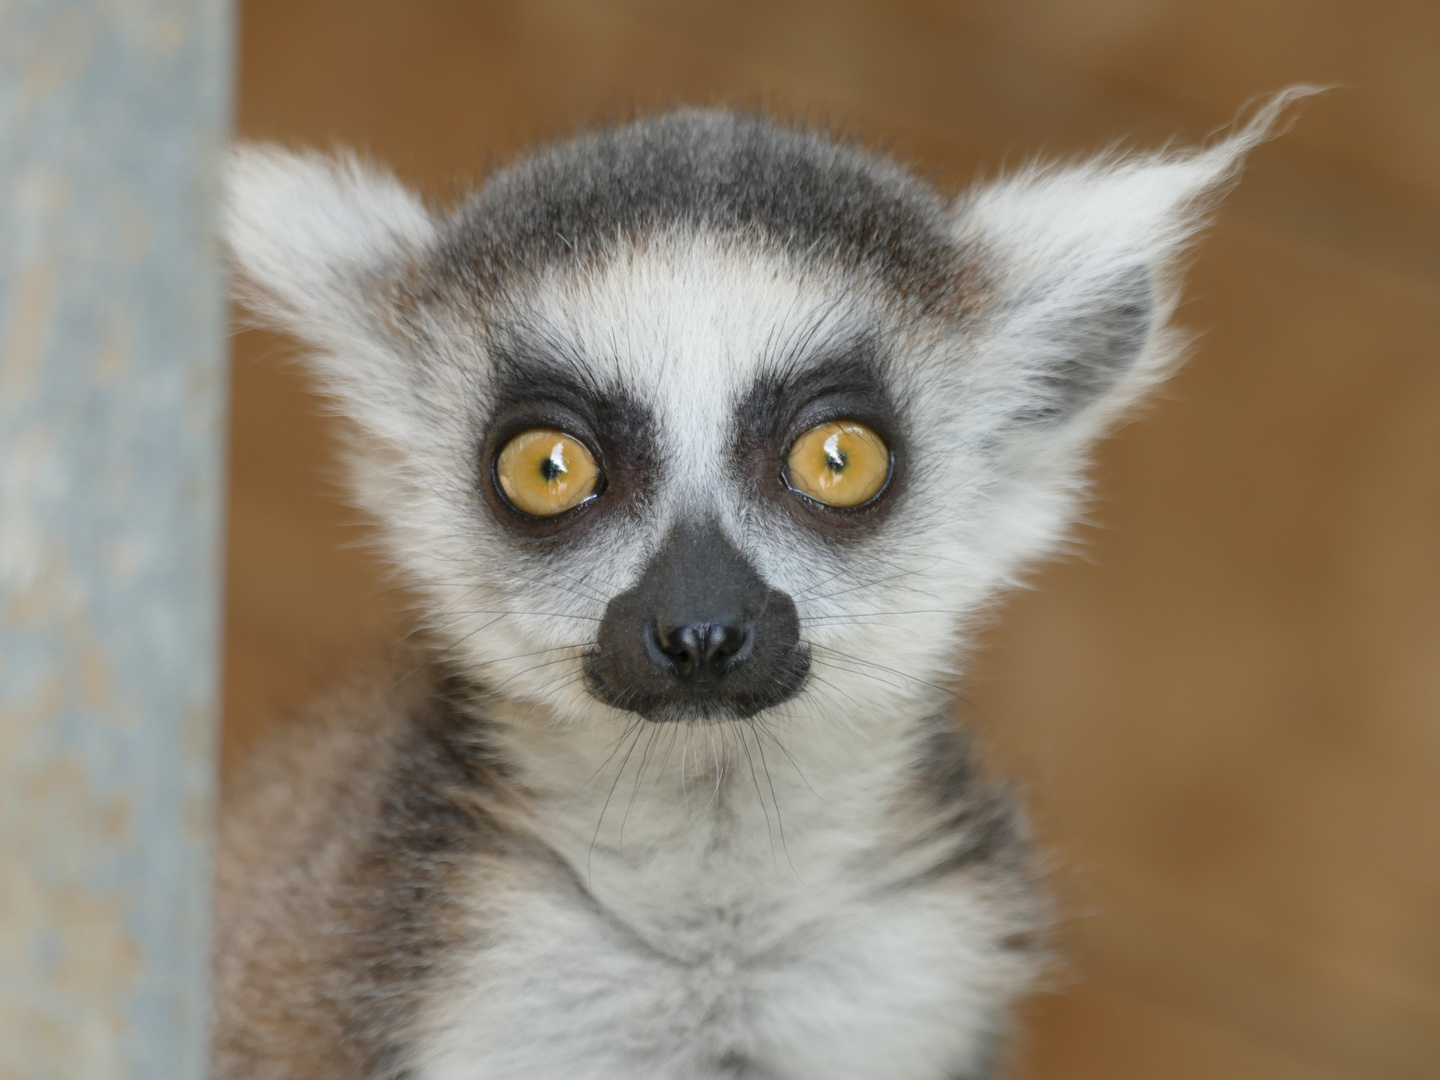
(703, 441)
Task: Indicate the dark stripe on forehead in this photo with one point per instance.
(709, 170)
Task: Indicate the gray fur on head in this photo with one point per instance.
(685, 296)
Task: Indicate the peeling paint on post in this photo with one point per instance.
(112, 387)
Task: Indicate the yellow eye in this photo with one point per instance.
(842, 463)
(545, 472)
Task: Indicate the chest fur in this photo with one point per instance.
(886, 987)
(733, 972)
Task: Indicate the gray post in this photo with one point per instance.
(112, 388)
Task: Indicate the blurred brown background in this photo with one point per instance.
(1227, 712)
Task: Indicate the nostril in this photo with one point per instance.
(726, 642)
(678, 648)
(699, 652)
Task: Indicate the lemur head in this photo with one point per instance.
(703, 417)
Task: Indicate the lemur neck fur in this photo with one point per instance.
(707, 809)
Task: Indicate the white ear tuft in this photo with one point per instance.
(307, 233)
(1083, 257)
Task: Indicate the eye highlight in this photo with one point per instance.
(544, 472)
(842, 464)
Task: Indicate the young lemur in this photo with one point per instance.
(703, 442)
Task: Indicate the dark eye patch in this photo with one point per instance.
(534, 385)
(846, 381)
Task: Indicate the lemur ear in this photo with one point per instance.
(311, 236)
(1082, 262)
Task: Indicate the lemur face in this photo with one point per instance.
(703, 453)
(705, 419)
(716, 445)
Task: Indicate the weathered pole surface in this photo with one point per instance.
(112, 393)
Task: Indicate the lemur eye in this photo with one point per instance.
(842, 463)
(545, 472)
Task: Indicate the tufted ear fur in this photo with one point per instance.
(317, 242)
(1082, 261)
(307, 232)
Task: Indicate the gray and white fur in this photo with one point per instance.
(528, 852)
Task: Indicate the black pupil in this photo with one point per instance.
(550, 468)
(836, 459)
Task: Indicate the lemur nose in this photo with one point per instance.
(702, 653)
(700, 636)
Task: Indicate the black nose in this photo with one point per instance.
(701, 653)
(699, 636)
